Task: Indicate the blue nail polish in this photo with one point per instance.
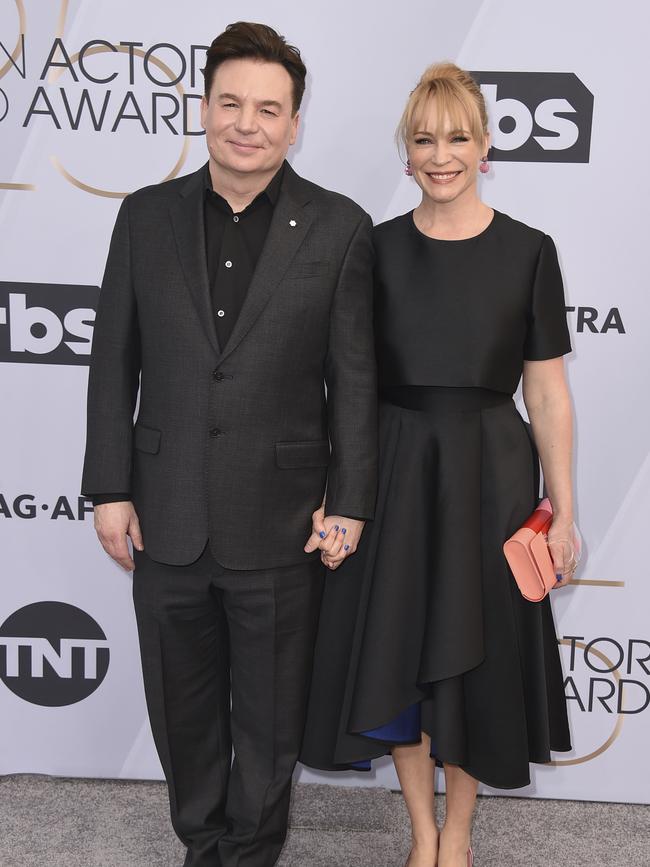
(344, 530)
(336, 527)
(322, 534)
(559, 578)
(346, 547)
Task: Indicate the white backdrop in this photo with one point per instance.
(71, 700)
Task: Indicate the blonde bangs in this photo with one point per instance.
(458, 101)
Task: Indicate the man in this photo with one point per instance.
(230, 298)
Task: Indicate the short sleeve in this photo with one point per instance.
(547, 335)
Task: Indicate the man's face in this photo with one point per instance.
(248, 118)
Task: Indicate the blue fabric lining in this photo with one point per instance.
(404, 729)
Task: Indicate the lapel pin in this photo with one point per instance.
(293, 224)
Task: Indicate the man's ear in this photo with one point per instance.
(295, 123)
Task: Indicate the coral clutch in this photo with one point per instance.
(528, 555)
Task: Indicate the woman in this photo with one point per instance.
(426, 647)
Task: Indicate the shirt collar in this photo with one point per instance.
(271, 192)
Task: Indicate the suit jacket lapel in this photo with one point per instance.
(292, 218)
(189, 229)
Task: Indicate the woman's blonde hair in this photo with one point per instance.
(458, 98)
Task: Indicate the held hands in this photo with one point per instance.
(113, 523)
(337, 537)
(563, 543)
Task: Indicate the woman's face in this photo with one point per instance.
(444, 158)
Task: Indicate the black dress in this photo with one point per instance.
(424, 627)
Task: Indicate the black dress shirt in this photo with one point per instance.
(233, 243)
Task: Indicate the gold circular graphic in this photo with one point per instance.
(97, 191)
(22, 26)
(619, 719)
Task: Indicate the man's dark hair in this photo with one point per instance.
(257, 42)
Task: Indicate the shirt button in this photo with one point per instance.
(221, 313)
(216, 432)
(228, 263)
(235, 219)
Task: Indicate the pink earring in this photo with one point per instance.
(407, 169)
(484, 168)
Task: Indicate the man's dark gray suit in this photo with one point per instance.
(231, 453)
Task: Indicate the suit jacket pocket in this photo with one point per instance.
(300, 270)
(146, 439)
(298, 455)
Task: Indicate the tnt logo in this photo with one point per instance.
(46, 324)
(52, 654)
(538, 116)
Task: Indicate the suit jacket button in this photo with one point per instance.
(218, 376)
(216, 432)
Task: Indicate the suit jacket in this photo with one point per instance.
(235, 443)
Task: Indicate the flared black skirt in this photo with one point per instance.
(427, 611)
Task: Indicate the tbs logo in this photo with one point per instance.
(52, 654)
(538, 117)
(46, 323)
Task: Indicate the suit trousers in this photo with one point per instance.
(226, 659)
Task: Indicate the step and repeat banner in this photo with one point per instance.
(100, 98)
